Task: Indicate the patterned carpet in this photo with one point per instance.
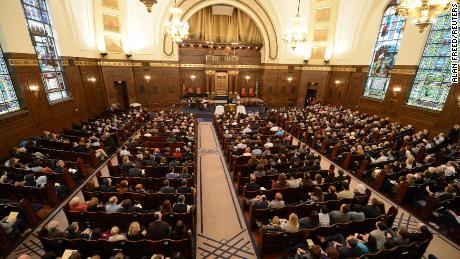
(221, 227)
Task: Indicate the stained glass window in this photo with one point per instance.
(385, 51)
(8, 99)
(432, 81)
(41, 33)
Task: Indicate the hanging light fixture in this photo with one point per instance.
(424, 11)
(149, 4)
(176, 29)
(296, 34)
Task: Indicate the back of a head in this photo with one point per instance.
(381, 225)
(315, 251)
(345, 185)
(353, 243)
(324, 209)
(181, 198)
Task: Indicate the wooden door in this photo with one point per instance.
(221, 83)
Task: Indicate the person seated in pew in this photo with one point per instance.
(252, 185)
(15, 226)
(281, 181)
(94, 205)
(380, 234)
(340, 176)
(107, 186)
(314, 252)
(346, 192)
(278, 202)
(184, 188)
(272, 170)
(180, 206)
(180, 231)
(422, 234)
(115, 235)
(123, 187)
(184, 172)
(172, 175)
(76, 204)
(158, 229)
(139, 188)
(356, 213)
(312, 221)
(317, 195)
(331, 193)
(448, 193)
(134, 172)
(399, 238)
(166, 207)
(52, 230)
(274, 225)
(166, 188)
(259, 171)
(126, 206)
(291, 225)
(340, 216)
(373, 209)
(73, 232)
(319, 180)
(112, 205)
(259, 202)
(134, 232)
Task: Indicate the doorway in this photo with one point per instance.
(121, 94)
(221, 84)
(310, 96)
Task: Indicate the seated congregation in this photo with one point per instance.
(290, 198)
(43, 171)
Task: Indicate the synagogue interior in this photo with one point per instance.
(278, 129)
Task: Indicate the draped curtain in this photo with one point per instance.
(204, 26)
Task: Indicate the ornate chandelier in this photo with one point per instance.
(424, 11)
(149, 4)
(296, 34)
(176, 29)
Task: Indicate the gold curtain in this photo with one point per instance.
(204, 26)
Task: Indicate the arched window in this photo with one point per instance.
(385, 51)
(8, 99)
(432, 81)
(41, 33)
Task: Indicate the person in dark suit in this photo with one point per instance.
(350, 250)
(260, 202)
(331, 194)
(372, 210)
(252, 185)
(134, 172)
(454, 133)
(158, 229)
(340, 216)
(183, 187)
(341, 177)
(166, 188)
(422, 234)
(106, 186)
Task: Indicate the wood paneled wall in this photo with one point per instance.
(336, 85)
(87, 100)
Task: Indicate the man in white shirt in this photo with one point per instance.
(382, 158)
(269, 144)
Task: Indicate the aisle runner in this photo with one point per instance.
(221, 229)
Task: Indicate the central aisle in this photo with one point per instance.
(221, 229)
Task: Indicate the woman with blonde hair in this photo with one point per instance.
(115, 234)
(291, 225)
(134, 232)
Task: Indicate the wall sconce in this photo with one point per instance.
(326, 61)
(103, 54)
(34, 89)
(289, 79)
(458, 101)
(147, 78)
(305, 61)
(128, 56)
(247, 78)
(337, 82)
(396, 90)
(193, 77)
(92, 79)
